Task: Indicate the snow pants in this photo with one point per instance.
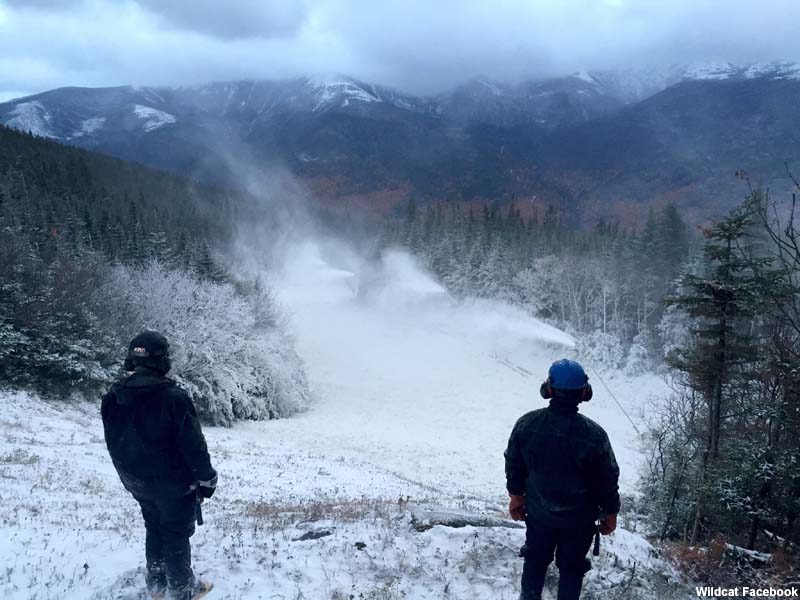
(570, 547)
(169, 517)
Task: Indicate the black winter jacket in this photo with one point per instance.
(564, 465)
(152, 430)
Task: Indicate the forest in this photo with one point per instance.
(605, 284)
(93, 249)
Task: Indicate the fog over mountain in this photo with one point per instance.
(419, 47)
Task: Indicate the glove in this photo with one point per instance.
(608, 523)
(516, 506)
(206, 489)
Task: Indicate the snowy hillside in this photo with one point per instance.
(416, 396)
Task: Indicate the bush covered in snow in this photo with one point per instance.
(230, 346)
(639, 356)
(602, 349)
(65, 325)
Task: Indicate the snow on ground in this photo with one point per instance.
(89, 126)
(710, 70)
(31, 116)
(331, 91)
(416, 396)
(424, 386)
(153, 118)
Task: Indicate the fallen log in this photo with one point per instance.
(424, 518)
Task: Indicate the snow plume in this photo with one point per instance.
(393, 292)
(412, 376)
(275, 211)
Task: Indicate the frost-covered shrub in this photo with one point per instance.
(230, 349)
(602, 349)
(674, 329)
(537, 288)
(639, 360)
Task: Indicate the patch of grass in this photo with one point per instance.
(20, 457)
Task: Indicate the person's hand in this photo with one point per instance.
(206, 489)
(516, 506)
(608, 523)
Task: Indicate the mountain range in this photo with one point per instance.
(595, 145)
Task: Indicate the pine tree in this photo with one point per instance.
(206, 266)
(722, 302)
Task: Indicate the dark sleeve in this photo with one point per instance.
(105, 413)
(190, 440)
(104, 404)
(606, 477)
(516, 471)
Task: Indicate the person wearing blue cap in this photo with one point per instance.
(561, 476)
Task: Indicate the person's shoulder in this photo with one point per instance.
(174, 390)
(594, 429)
(529, 417)
(180, 398)
(113, 390)
(118, 384)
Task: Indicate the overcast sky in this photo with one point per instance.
(420, 46)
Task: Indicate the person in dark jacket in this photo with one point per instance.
(157, 446)
(561, 477)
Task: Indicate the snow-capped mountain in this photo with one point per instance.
(551, 103)
(589, 137)
(71, 113)
(727, 71)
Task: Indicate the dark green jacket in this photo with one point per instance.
(564, 465)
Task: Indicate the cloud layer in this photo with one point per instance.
(415, 45)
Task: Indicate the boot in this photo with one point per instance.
(193, 591)
(156, 581)
(201, 588)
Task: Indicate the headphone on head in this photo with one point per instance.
(548, 391)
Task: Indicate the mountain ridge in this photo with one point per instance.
(592, 139)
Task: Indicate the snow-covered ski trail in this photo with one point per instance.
(425, 387)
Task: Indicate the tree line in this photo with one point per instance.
(605, 284)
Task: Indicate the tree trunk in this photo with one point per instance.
(751, 539)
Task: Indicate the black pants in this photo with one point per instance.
(169, 516)
(570, 546)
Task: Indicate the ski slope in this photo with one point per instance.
(415, 394)
(426, 387)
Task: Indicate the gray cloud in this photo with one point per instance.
(416, 45)
(41, 4)
(233, 18)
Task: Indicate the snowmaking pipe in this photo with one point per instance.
(525, 373)
(622, 408)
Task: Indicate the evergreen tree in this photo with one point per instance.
(723, 301)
